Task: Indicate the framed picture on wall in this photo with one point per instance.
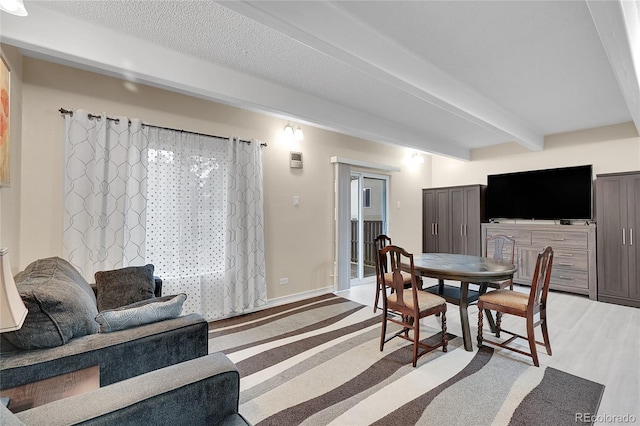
(4, 122)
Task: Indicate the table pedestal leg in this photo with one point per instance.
(464, 316)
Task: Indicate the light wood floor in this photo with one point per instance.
(594, 340)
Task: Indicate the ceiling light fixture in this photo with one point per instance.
(288, 131)
(298, 134)
(14, 7)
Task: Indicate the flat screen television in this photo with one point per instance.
(551, 194)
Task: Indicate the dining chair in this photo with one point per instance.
(380, 242)
(504, 250)
(512, 302)
(406, 306)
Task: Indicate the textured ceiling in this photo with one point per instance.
(442, 77)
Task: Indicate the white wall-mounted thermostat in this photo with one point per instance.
(295, 160)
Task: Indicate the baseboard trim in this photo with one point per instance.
(283, 301)
(297, 297)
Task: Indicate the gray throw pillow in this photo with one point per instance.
(121, 287)
(60, 304)
(139, 313)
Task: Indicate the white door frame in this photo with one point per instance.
(342, 207)
(360, 279)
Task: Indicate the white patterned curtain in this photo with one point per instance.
(197, 243)
(245, 277)
(192, 205)
(105, 192)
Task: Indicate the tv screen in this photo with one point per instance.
(563, 193)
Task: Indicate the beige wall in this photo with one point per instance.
(299, 240)
(609, 149)
(10, 195)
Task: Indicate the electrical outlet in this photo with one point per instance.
(284, 281)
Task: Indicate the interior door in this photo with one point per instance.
(368, 220)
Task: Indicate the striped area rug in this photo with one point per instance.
(317, 362)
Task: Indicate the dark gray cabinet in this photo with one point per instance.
(451, 219)
(618, 217)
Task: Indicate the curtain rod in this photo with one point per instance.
(117, 120)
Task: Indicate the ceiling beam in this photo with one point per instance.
(618, 26)
(62, 39)
(327, 28)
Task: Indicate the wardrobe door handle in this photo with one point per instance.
(462, 230)
(624, 240)
(630, 236)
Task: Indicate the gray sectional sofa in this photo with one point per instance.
(153, 373)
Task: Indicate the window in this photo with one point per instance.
(366, 198)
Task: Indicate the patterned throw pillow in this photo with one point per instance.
(139, 313)
(121, 287)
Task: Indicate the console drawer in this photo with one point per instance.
(560, 239)
(569, 278)
(574, 260)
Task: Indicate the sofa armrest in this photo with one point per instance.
(203, 391)
(120, 355)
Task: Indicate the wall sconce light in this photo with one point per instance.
(14, 7)
(288, 131)
(417, 158)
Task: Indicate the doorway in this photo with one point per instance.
(369, 204)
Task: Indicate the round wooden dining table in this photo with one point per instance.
(467, 270)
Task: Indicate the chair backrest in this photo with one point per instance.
(541, 278)
(380, 242)
(499, 244)
(399, 256)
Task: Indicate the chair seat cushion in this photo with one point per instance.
(388, 277)
(425, 300)
(509, 298)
